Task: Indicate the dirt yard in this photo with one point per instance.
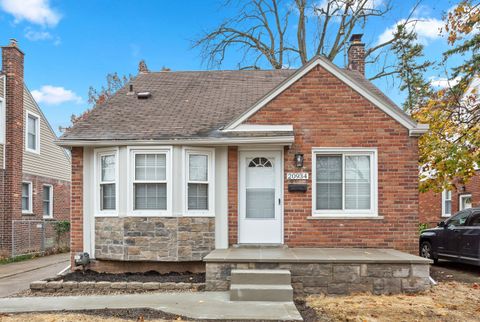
(448, 301)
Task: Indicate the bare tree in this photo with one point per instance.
(261, 32)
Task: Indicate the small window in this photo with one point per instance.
(27, 197)
(199, 185)
(446, 203)
(107, 182)
(47, 201)
(33, 133)
(150, 181)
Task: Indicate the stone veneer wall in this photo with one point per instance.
(154, 238)
(338, 278)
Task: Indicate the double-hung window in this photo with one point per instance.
(344, 182)
(47, 201)
(151, 182)
(32, 135)
(107, 165)
(27, 193)
(199, 181)
(446, 203)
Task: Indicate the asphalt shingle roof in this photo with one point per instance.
(182, 105)
(187, 105)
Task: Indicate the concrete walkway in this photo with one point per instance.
(202, 305)
(16, 277)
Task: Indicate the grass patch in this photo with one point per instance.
(15, 259)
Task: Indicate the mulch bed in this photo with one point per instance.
(151, 276)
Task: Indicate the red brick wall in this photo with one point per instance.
(76, 214)
(61, 197)
(12, 66)
(327, 113)
(430, 203)
(232, 194)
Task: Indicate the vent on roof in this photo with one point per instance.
(143, 95)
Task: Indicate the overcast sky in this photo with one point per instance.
(71, 45)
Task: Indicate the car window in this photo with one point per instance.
(459, 219)
(475, 219)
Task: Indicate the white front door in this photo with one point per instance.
(261, 216)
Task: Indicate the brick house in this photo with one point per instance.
(34, 171)
(177, 164)
(435, 207)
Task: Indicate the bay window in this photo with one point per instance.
(199, 181)
(151, 182)
(107, 181)
(344, 182)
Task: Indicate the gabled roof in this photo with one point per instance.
(207, 105)
(351, 78)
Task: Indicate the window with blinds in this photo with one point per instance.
(344, 182)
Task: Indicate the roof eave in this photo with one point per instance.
(278, 140)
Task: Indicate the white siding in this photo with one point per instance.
(52, 162)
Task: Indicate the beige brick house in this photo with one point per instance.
(34, 171)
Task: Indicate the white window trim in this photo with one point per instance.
(28, 211)
(37, 134)
(460, 197)
(373, 211)
(50, 215)
(210, 153)
(131, 151)
(98, 153)
(444, 198)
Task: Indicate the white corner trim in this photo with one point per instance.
(394, 112)
(37, 132)
(261, 128)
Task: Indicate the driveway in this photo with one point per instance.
(16, 277)
(446, 271)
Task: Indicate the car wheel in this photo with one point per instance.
(426, 251)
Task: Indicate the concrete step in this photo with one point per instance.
(256, 292)
(260, 276)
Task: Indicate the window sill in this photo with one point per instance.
(37, 152)
(27, 213)
(48, 218)
(344, 217)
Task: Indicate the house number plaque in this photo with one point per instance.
(297, 176)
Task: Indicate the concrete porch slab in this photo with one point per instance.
(202, 305)
(313, 255)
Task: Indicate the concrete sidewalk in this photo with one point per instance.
(16, 277)
(202, 305)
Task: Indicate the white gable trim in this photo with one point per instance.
(398, 115)
(261, 128)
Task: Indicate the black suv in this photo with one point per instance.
(456, 239)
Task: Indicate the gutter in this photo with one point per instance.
(285, 140)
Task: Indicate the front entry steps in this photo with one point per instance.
(272, 285)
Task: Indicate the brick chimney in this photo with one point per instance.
(12, 67)
(356, 54)
(142, 67)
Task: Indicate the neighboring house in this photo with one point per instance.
(435, 207)
(34, 171)
(177, 164)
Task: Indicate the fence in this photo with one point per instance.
(36, 236)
